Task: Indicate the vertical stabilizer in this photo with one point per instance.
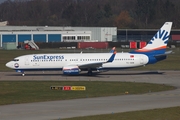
(160, 39)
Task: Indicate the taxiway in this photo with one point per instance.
(94, 106)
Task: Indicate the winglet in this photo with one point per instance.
(112, 50)
(112, 57)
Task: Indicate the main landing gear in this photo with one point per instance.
(89, 72)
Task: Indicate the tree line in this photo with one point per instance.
(91, 13)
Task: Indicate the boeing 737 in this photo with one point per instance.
(73, 64)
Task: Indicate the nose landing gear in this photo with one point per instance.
(21, 71)
(23, 74)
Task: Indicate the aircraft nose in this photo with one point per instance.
(9, 65)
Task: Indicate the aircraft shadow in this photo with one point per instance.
(95, 74)
(137, 73)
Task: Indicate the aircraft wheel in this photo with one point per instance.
(23, 74)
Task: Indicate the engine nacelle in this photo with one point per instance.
(71, 70)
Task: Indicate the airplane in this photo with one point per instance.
(73, 64)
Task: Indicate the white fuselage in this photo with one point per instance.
(58, 61)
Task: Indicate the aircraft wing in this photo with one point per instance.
(93, 64)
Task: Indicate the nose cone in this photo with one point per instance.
(9, 65)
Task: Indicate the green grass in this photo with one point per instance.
(171, 63)
(35, 91)
(155, 114)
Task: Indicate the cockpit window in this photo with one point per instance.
(16, 60)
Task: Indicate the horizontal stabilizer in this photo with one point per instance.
(168, 52)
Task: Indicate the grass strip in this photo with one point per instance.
(12, 92)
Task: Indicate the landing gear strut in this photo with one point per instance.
(23, 74)
(89, 72)
(21, 71)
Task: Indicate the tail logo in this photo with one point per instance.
(161, 35)
(159, 40)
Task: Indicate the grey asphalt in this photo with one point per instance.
(93, 106)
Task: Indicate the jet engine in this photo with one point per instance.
(71, 70)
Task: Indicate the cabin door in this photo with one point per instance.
(26, 61)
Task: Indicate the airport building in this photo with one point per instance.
(127, 35)
(52, 34)
(47, 34)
